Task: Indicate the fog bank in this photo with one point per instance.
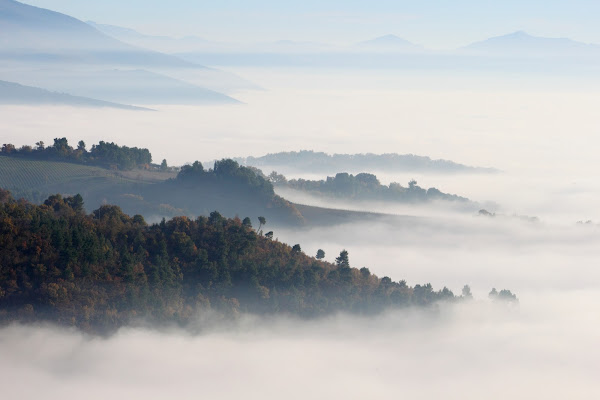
(471, 351)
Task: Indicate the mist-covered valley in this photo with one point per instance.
(513, 120)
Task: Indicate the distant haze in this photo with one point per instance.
(433, 24)
(524, 103)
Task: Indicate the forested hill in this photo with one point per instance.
(231, 189)
(127, 178)
(365, 187)
(103, 270)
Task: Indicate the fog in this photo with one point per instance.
(544, 142)
(472, 351)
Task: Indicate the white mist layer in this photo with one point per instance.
(471, 351)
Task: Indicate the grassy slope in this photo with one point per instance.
(126, 189)
(43, 175)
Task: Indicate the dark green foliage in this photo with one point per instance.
(365, 186)
(107, 269)
(343, 260)
(103, 154)
(320, 254)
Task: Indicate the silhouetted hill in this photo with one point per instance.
(13, 93)
(389, 43)
(28, 30)
(522, 44)
(43, 48)
(318, 162)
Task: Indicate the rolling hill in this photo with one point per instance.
(141, 192)
(156, 195)
(50, 50)
(14, 93)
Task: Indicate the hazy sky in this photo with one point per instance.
(434, 23)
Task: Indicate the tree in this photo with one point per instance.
(269, 235)
(261, 221)
(342, 260)
(61, 147)
(40, 145)
(493, 294)
(76, 203)
(296, 249)
(8, 148)
(276, 178)
(466, 292)
(81, 145)
(247, 222)
(507, 295)
(320, 254)
(163, 165)
(364, 271)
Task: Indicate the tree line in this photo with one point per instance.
(364, 186)
(105, 154)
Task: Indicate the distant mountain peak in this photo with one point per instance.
(389, 42)
(523, 43)
(519, 34)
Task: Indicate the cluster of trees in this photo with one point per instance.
(364, 186)
(227, 172)
(103, 154)
(503, 295)
(102, 270)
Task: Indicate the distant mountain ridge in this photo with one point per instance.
(523, 44)
(14, 93)
(50, 50)
(29, 29)
(389, 42)
(311, 161)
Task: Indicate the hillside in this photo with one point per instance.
(13, 93)
(232, 191)
(50, 50)
(121, 85)
(29, 30)
(36, 179)
(107, 269)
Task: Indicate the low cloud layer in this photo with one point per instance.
(471, 351)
